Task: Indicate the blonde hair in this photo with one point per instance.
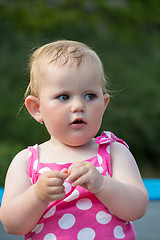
(61, 52)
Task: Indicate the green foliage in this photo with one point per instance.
(8, 151)
(125, 34)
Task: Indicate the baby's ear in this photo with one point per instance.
(106, 100)
(33, 107)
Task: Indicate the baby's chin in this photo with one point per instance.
(80, 142)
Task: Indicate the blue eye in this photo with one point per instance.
(90, 96)
(63, 97)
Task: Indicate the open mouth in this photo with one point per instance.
(78, 121)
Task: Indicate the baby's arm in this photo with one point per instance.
(23, 204)
(123, 193)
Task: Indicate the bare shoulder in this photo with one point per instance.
(121, 152)
(124, 166)
(116, 146)
(20, 159)
(17, 179)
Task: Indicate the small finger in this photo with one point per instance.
(76, 174)
(57, 197)
(64, 170)
(58, 174)
(74, 166)
(80, 181)
(56, 190)
(55, 182)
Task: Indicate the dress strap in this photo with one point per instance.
(104, 142)
(108, 137)
(33, 161)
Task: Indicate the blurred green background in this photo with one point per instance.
(126, 36)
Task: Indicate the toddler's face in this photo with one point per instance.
(72, 102)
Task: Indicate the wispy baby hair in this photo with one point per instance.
(60, 52)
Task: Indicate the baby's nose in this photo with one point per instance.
(78, 106)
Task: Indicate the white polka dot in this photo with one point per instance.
(29, 154)
(67, 186)
(107, 174)
(100, 169)
(108, 149)
(35, 164)
(66, 221)
(61, 163)
(108, 133)
(73, 196)
(84, 204)
(38, 228)
(50, 236)
(50, 212)
(118, 232)
(103, 140)
(31, 180)
(86, 233)
(45, 169)
(103, 217)
(99, 159)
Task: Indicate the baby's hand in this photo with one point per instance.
(86, 175)
(49, 186)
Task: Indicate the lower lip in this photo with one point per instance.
(78, 125)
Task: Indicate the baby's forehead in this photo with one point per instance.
(70, 67)
(66, 59)
(70, 58)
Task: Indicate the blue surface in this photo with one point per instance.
(152, 185)
(153, 188)
(1, 194)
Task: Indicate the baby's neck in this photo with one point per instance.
(67, 154)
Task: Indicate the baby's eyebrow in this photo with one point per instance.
(92, 91)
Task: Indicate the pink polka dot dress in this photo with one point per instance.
(80, 215)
